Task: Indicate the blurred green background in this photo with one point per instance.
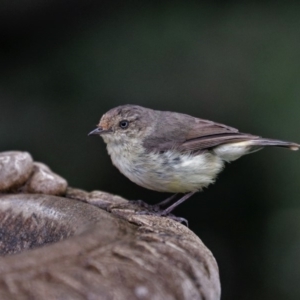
(65, 63)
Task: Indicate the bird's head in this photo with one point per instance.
(124, 123)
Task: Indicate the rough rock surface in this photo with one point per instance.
(18, 172)
(44, 181)
(15, 169)
(92, 254)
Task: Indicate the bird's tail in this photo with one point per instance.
(261, 142)
(246, 144)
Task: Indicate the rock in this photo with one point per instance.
(15, 169)
(44, 181)
(88, 253)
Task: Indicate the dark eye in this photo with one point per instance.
(124, 124)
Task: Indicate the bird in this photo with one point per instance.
(173, 152)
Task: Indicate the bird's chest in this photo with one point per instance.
(145, 169)
(126, 157)
(167, 172)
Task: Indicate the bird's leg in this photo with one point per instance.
(178, 202)
(155, 207)
(166, 201)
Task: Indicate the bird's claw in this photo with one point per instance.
(155, 210)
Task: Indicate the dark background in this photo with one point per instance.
(65, 63)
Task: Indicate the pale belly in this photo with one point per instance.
(168, 172)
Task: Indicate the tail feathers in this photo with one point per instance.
(277, 143)
(233, 150)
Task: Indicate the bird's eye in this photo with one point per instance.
(124, 124)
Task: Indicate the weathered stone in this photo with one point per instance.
(15, 169)
(44, 181)
(89, 253)
(98, 198)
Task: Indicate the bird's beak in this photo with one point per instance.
(98, 131)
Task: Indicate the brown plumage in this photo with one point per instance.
(189, 134)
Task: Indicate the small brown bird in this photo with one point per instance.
(173, 152)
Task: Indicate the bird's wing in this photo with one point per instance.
(188, 134)
(207, 142)
(207, 134)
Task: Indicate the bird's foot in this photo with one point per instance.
(143, 204)
(154, 207)
(161, 209)
(171, 216)
(155, 210)
(177, 219)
